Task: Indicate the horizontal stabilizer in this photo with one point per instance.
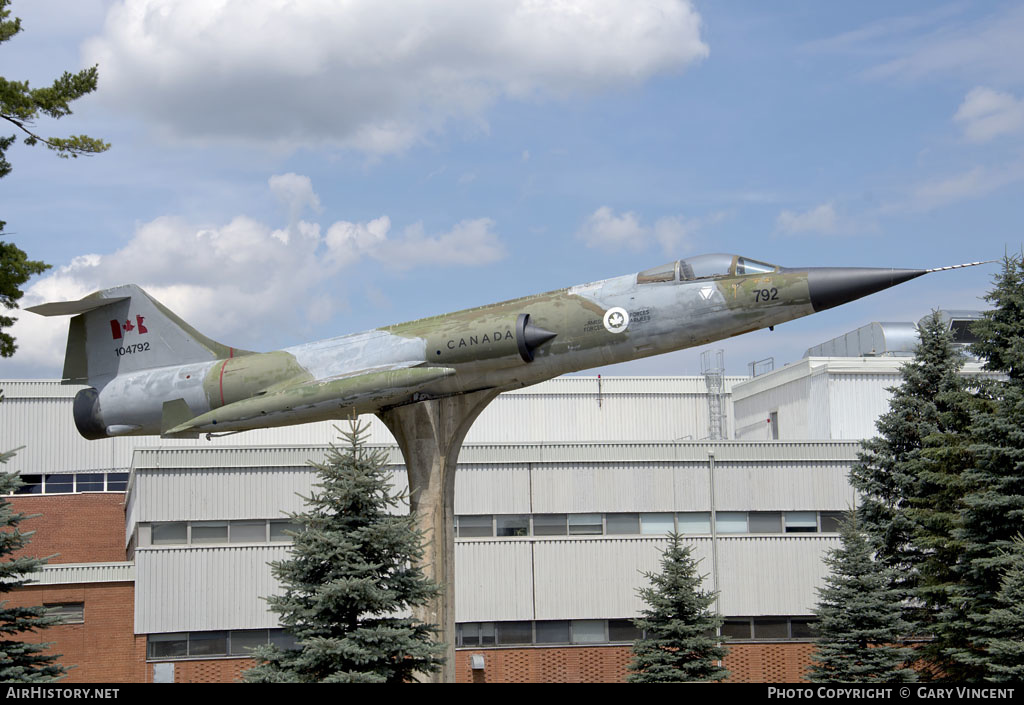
(176, 413)
(69, 308)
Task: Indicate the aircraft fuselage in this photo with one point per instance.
(138, 388)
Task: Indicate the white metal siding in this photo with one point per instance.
(792, 487)
(198, 589)
(774, 575)
(249, 483)
(493, 580)
(567, 578)
(596, 579)
(492, 489)
(856, 402)
(76, 573)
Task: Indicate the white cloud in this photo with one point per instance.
(604, 230)
(376, 76)
(296, 192)
(940, 41)
(986, 114)
(820, 219)
(223, 278)
(973, 183)
(469, 243)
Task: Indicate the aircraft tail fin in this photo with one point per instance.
(124, 329)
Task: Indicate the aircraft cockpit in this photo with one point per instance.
(704, 267)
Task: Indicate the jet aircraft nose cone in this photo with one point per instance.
(832, 286)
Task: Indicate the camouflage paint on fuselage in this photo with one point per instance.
(499, 346)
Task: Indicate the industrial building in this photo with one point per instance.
(564, 494)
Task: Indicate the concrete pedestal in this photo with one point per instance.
(430, 435)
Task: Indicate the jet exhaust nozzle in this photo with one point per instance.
(88, 419)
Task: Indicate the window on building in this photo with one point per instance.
(549, 525)
(555, 631)
(208, 644)
(585, 525)
(62, 483)
(172, 532)
(653, 523)
(244, 641)
(167, 645)
(283, 639)
(657, 523)
(738, 628)
(117, 481)
(802, 628)
(622, 630)
(617, 631)
(474, 526)
(281, 529)
(67, 483)
(515, 632)
(622, 523)
(512, 525)
(830, 522)
(801, 522)
(694, 522)
(67, 612)
(248, 531)
(31, 484)
(771, 628)
(765, 522)
(588, 631)
(209, 532)
(477, 634)
(91, 482)
(731, 522)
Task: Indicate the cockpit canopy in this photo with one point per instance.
(705, 267)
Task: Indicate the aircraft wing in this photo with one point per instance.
(317, 399)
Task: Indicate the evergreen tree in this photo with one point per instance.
(353, 570)
(910, 482)
(993, 503)
(20, 107)
(1005, 646)
(860, 620)
(679, 626)
(20, 662)
(888, 475)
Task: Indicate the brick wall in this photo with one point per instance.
(104, 649)
(224, 670)
(749, 663)
(82, 528)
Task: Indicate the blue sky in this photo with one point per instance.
(282, 172)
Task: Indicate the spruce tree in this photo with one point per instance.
(679, 625)
(993, 502)
(1005, 645)
(352, 574)
(928, 402)
(20, 661)
(910, 482)
(860, 619)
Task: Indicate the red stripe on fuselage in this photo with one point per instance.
(222, 382)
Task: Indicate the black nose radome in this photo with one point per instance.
(832, 286)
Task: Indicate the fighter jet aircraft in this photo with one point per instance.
(148, 372)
